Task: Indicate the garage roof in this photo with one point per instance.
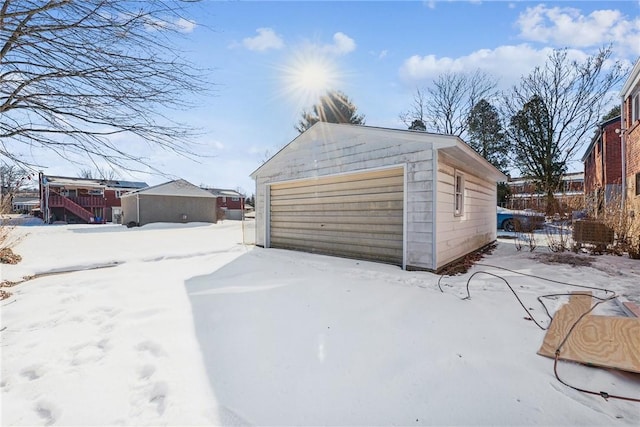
(177, 188)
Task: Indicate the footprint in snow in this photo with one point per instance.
(47, 411)
(151, 347)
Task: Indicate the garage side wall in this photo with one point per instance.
(476, 227)
(343, 153)
(129, 209)
(176, 209)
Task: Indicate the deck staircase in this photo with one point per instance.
(77, 210)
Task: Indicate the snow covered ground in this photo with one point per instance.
(185, 325)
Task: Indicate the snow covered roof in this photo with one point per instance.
(219, 192)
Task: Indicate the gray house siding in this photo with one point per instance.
(174, 202)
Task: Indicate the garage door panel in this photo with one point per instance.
(362, 207)
(347, 250)
(390, 184)
(348, 231)
(358, 215)
(353, 227)
(344, 193)
(353, 218)
(354, 178)
(329, 243)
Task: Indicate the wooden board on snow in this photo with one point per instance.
(605, 341)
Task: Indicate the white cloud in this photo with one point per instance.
(507, 63)
(430, 4)
(383, 54)
(342, 44)
(181, 25)
(185, 25)
(565, 26)
(265, 40)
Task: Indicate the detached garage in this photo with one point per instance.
(175, 201)
(414, 199)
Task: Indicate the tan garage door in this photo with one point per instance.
(358, 215)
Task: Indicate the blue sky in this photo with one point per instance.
(262, 56)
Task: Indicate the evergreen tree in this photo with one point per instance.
(334, 107)
(486, 135)
(614, 112)
(418, 124)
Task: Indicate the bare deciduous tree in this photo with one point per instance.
(553, 111)
(417, 112)
(13, 179)
(75, 73)
(445, 105)
(99, 173)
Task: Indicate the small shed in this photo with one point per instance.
(176, 201)
(415, 199)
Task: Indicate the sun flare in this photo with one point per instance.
(307, 77)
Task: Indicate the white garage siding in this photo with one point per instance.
(474, 228)
(329, 150)
(357, 215)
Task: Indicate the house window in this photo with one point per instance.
(458, 197)
(224, 199)
(635, 107)
(235, 199)
(119, 193)
(638, 184)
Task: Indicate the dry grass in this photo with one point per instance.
(8, 257)
(463, 265)
(565, 258)
(623, 217)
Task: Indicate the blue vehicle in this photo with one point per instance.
(525, 220)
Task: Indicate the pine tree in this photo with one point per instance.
(334, 107)
(486, 135)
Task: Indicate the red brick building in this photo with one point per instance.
(631, 126)
(631, 137)
(230, 203)
(603, 166)
(525, 194)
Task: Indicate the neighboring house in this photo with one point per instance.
(631, 137)
(230, 203)
(404, 197)
(25, 202)
(176, 201)
(82, 200)
(603, 166)
(525, 195)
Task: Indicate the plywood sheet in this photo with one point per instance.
(606, 341)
